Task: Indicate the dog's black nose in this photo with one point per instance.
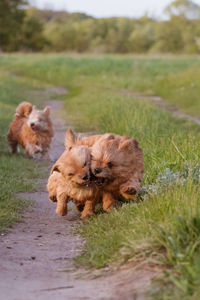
(97, 171)
(32, 124)
(85, 177)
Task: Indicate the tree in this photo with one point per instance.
(142, 37)
(32, 35)
(186, 8)
(11, 20)
(168, 38)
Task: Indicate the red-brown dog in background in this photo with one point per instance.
(32, 129)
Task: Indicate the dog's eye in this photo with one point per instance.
(92, 158)
(70, 174)
(110, 164)
(84, 165)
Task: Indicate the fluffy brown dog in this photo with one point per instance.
(118, 164)
(71, 179)
(32, 129)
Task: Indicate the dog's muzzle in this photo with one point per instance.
(34, 127)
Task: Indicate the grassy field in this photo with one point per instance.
(163, 227)
(175, 79)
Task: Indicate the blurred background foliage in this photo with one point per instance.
(26, 28)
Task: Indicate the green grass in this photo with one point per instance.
(18, 173)
(164, 227)
(174, 78)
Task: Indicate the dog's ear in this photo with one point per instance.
(111, 137)
(124, 138)
(55, 168)
(135, 143)
(47, 110)
(126, 145)
(70, 139)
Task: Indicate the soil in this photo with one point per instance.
(37, 256)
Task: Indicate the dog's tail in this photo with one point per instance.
(24, 109)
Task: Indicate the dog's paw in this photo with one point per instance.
(79, 207)
(109, 208)
(53, 198)
(38, 149)
(86, 214)
(129, 192)
(61, 212)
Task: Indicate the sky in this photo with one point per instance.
(108, 8)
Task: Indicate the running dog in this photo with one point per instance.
(118, 164)
(70, 179)
(32, 129)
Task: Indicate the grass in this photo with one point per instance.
(18, 173)
(164, 227)
(173, 78)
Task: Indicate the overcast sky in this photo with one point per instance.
(107, 8)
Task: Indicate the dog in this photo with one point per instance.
(70, 178)
(118, 163)
(32, 129)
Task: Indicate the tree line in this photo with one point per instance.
(24, 28)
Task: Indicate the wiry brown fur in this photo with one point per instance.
(118, 163)
(72, 139)
(70, 179)
(34, 141)
(58, 192)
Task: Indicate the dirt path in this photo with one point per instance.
(36, 258)
(161, 103)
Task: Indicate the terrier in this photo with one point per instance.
(70, 179)
(118, 163)
(32, 129)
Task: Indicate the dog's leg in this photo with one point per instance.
(52, 198)
(33, 151)
(12, 144)
(79, 206)
(41, 154)
(88, 210)
(130, 189)
(30, 149)
(108, 202)
(62, 200)
(38, 154)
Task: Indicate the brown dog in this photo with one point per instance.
(71, 179)
(32, 129)
(117, 162)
